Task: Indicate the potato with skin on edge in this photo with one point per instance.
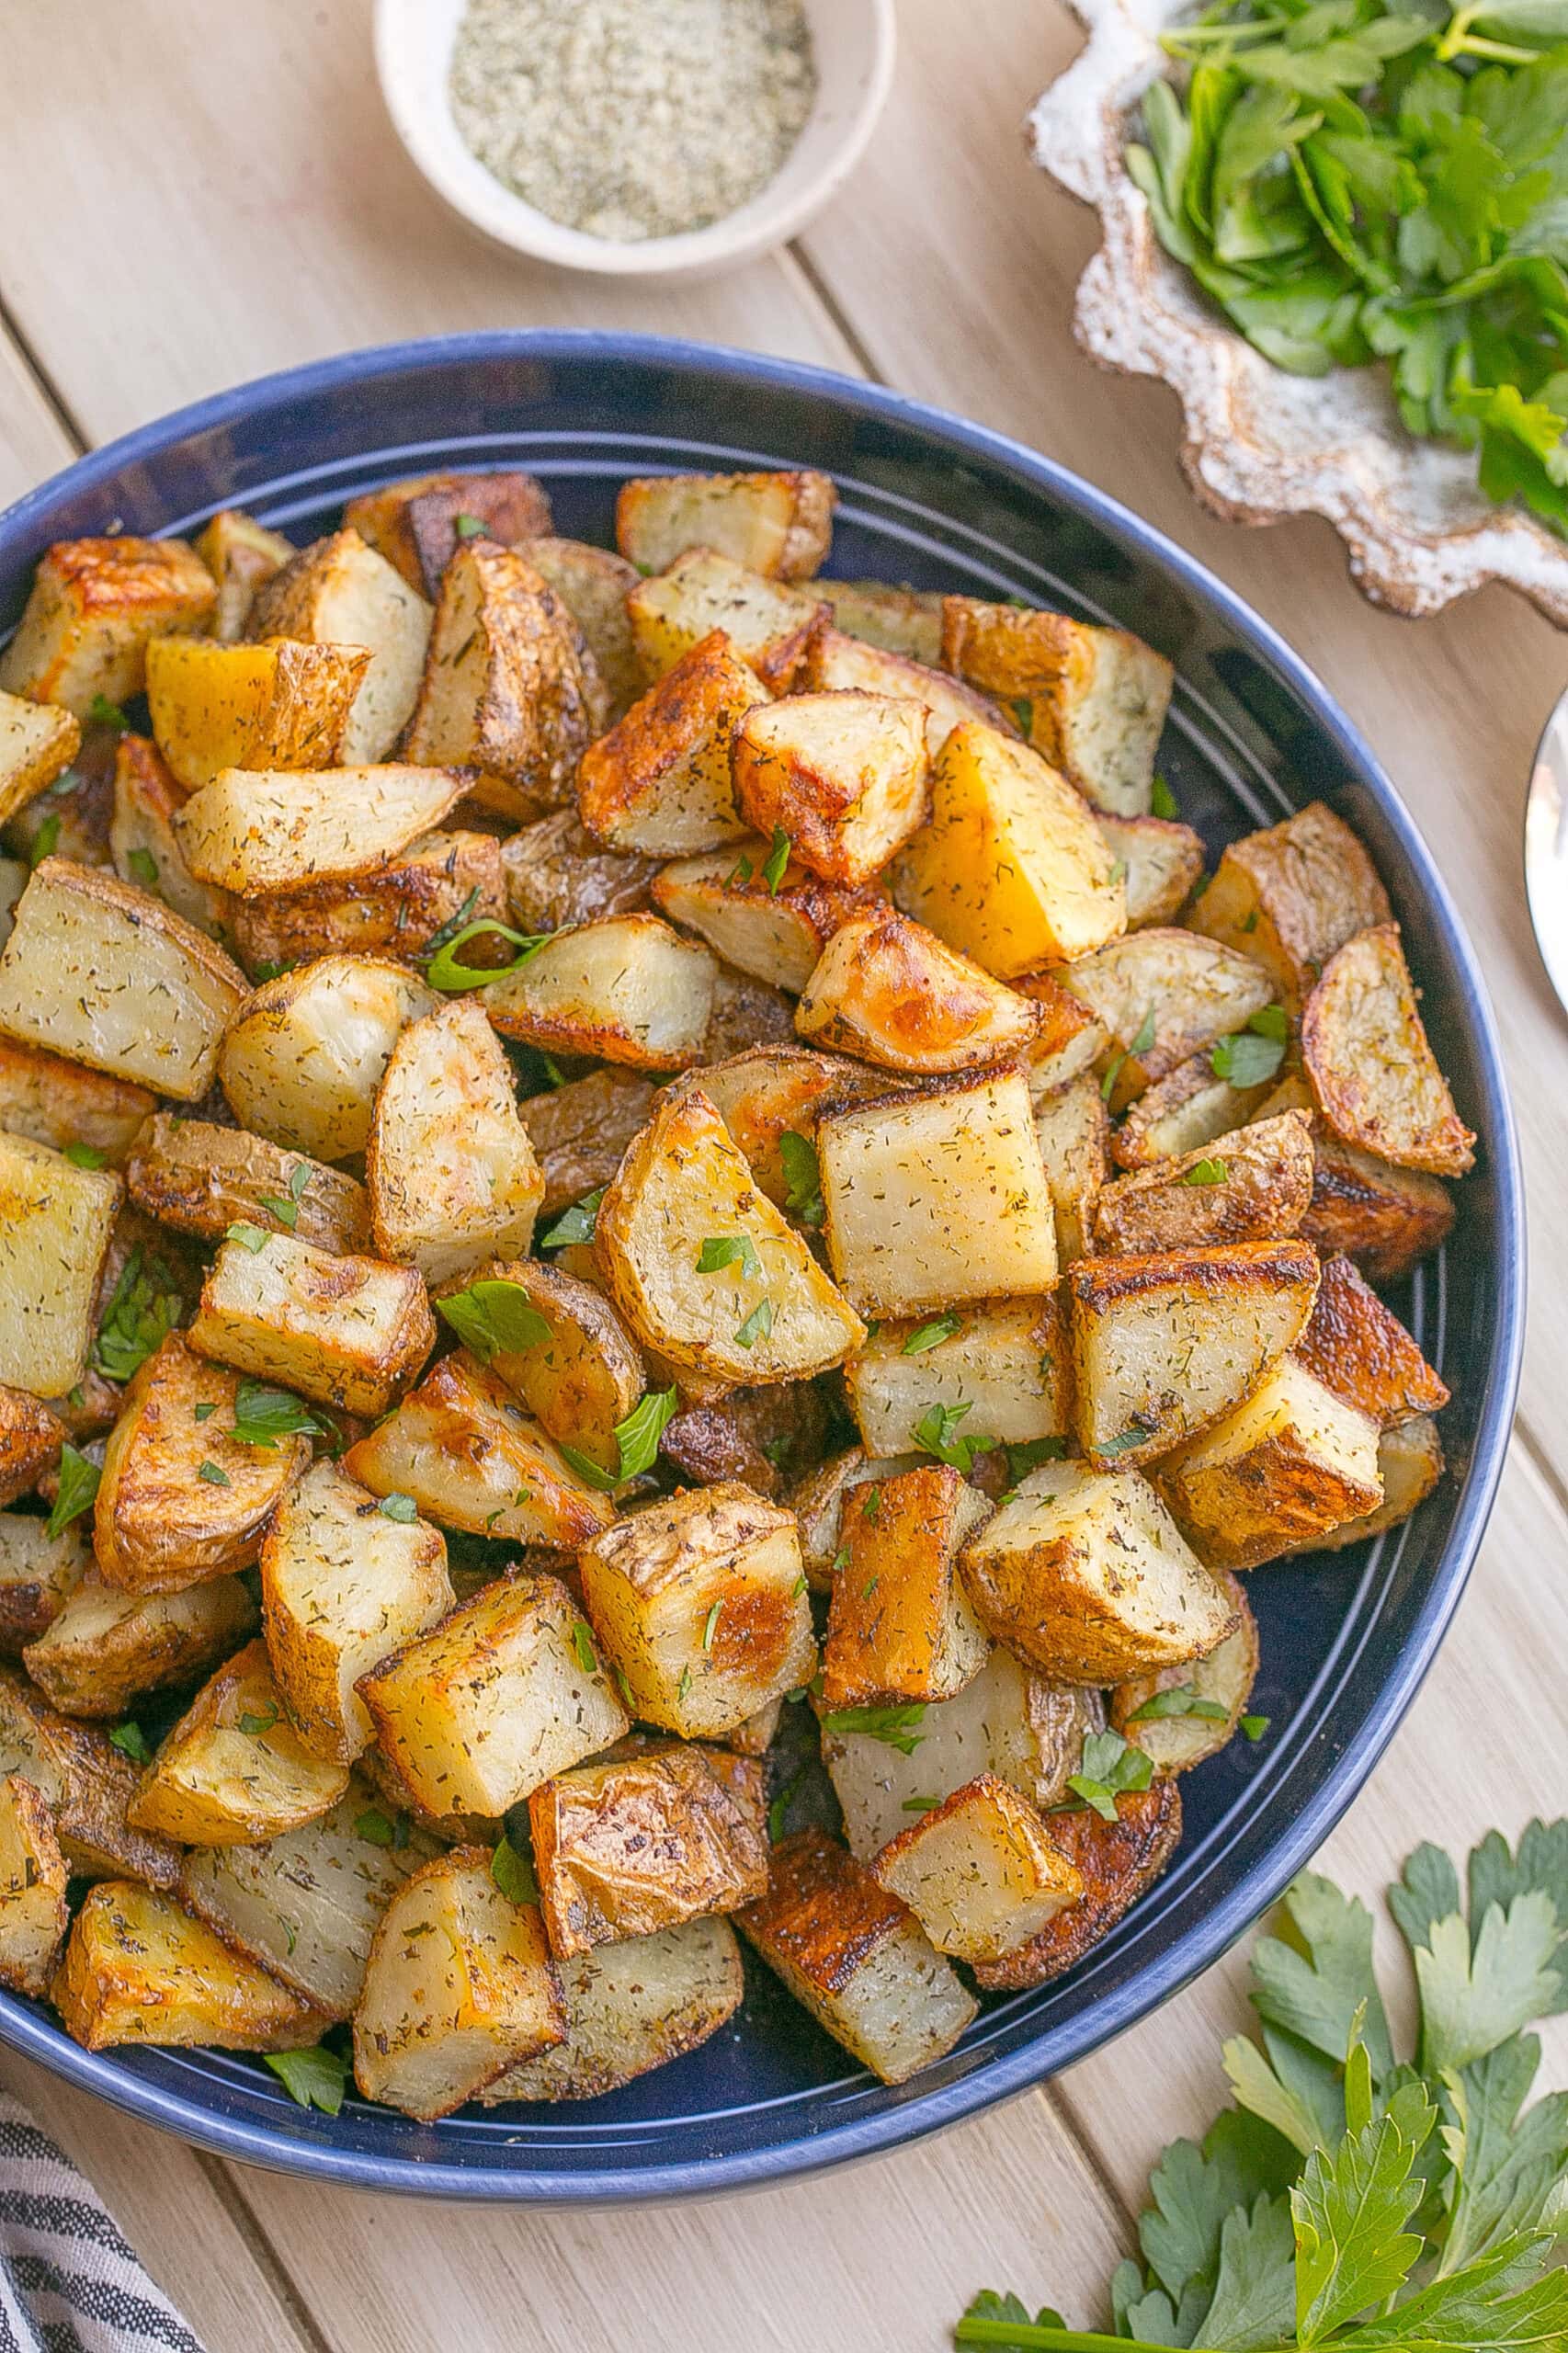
(752, 1435)
(593, 584)
(103, 1648)
(341, 1331)
(144, 846)
(1289, 1464)
(233, 1771)
(769, 624)
(1185, 1111)
(1162, 861)
(900, 1626)
(37, 1571)
(303, 1060)
(240, 553)
(55, 1223)
(1257, 1186)
(94, 607)
(87, 1784)
(580, 1374)
(337, 591)
(843, 777)
(890, 992)
(1068, 1040)
(201, 1178)
(1372, 1072)
(37, 741)
(1073, 1133)
(1118, 1862)
(776, 931)
(138, 1968)
(58, 1103)
(449, 1167)
(835, 661)
(659, 784)
(1410, 1464)
(276, 704)
(419, 523)
(255, 831)
(442, 880)
(631, 2007)
(1358, 1348)
(34, 1913)
(771, 1092)
(779, 525)
(1156, 1711)
(818, 1501)
(580, 1131)
(558, 875)
(1291, 895)
(30, 1439)
(907, 621)
(1165, 995)
(626, 990)
(979, 1871)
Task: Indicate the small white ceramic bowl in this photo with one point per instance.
(854, 42)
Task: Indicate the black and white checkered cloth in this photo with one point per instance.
(69, 2283)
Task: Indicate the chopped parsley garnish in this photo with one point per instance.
(143, 869)
(1255, 1726)
(1250, 1057)
(513, 1873)
(1110, 1766)
(778, 1813)
(205, 1411)
(78, 1486)
(710, 1626)
(443, 936)
(287, 1212)
(777, 860)
(741, 873)
(936, 1432)
(315, 2078)
(1207, 1172)
(211, 1475)
(447, 970)
(1108, 1448)
(45, 839)
(637, 1441)
(722, 1250)
(1140, 1045)
(920, 1805)
(493, 1316)
(263, 1414)
(382, 1829)
(249, 1237)
(576, 1225)
(803, 1177)
(757, 1324)
(1181, 1699)
(1028, 1453)
(1162, 800)
(398, 1507)
(583, 1643)
(467, 527)
(932, 1335)
(1023, 711)
(143, 1310)
(893, 1726)
(254, 1726)
(133, 1742)
(85, 1155)
(104, 713)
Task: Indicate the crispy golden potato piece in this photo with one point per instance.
(459, 1988)
(1386, 1219)
(34, 1914)
(659, 784)
(58, 1103)
(94, 607)
(1084, 1575)
(1167, 1342)
(419, 525)
(1011, 870)
(259, 832)
(341, 1331)
(1002, 1365)
(557, 875)
(1165, 995)
(201, 1178)
(580, 1374)
(139, 1969)
(626, 990)
(899, 620)
(890, 992)
(700, 1601)
(936, 1199)
(37, 740)
(632, 2007)
(1096, 698)
(501, 1697)
(769, 1092)
(510, 690)
(1118, 1862)
(1358, 1348)
(817, 1501)
(343, 1585)
(144, 846)
(580, 1131)
(1289, 1464)
(776, 935)
(463, 1448)
(1292, 895)
(631, 1845)
(233, 1771)
(449, 1169)
(1068, 1042)
(439, 882)
(1162, 862)
(843, 777)
(593, 584)
(279, 704)
(55, 1220)
(769, 625)
(37, 1571)
(751, 1435)
(836, 661)
(856, 1959)
(1410, 1464)
(104, 1647)
(29, 1442)
(1372, 1073)
(86, 1783)
(779, 525)
(901, 1626)
(704, 1268)
(1184, 1112)
(98, 970)
(240, 553)
(1186, 1714)
(303, 1061)
(162, 1519)
(1074, 1147)
(979, 1871)
(340, 592)
(306, 1904)
(1009, 1722)
(1259, 1187)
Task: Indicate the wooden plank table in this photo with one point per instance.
(189, 197)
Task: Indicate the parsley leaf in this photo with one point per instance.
(263, 1414)
(143, 1309)
(133, 1742)
(893, 1726)
(741, 873)
(287, 1211)
(45, 840)
(78, 1486)
(932, 1335)
(576, 1225)
(803, 1177)
(1162, 800)
(445, 969)
(582, 1644)
(1255, 1726)
(1250, 1057)
(756, 1325)
(513, 1872)
(1181, 1699)
(936, 1432)
(382, 1829)
(467, 527)
(637, 1441)
(104, 713)
(144, 868)
(399, 1507)
(1207, 1172)
(85, 1155)
(777, 860)
(1028, 1453)
(250, 1238)
(1110, 1766)
(493, 1316)
(1140, 1045)
(315, 2078)
(722, 1250)
(213, 1475)
(254, 1726)
(1350, 2209)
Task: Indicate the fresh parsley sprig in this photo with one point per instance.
(1250, 1057)
(143, 1310)
(636, 1438)
(494, 1318)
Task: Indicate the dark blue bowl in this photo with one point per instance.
(1346, 1638)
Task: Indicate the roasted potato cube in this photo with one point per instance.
(775, 935)
(769, 625)
(340, 592)
(627, 990)
(1165, 995)
(632, 2007)
(419, 523)
(301, 1063)
(1074, 1147)
(856, 1959)
(704, 1268)
(580, 1131)
(342, 1587)
(901, 1626)
(103, 1648)
(201, 1178)
(1098, 697)
(58, 1103)
(139, 1969)
(1292, 895)
(38, 1571)
(838, 662)
(1165, 1342)
(557, 875)
(441, 881)
(936, 1199)
(843, 777)
(700, 1601)
(890, 992)
(593, 584)
(29, 1442)
(1410, 1463)
(34, 1913)
(1181, 1113)
(258, 831)
(510, 690)
(98, 970)
(240, 553)
(817, 1502)
(1259, 1187)
(1292, 1463)
(1009, 1722)
(1005, 1363)
(1186, 1714)
(1083, 1573)
(233, 1771)
(779, 525)
(279, 704)
(37, 740)
(769, 1092)
(55, 1219)
(1068, 1042)
(659, 783)
(143, 844)
(580, 1375)
(899, 620)
(86, 1783)
(1011, 870)
(501, 1697)
(1372, 1073)
(1163, 863)
(459, 1988)
(629, 1845)
(450, 1171)
(95, 606)
(341, 1331)
(1116, 1861)
(979, 1871)
(1358, 1348)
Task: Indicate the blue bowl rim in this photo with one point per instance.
(1198, 1946)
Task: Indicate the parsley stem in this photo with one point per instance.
(1025, 2333)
